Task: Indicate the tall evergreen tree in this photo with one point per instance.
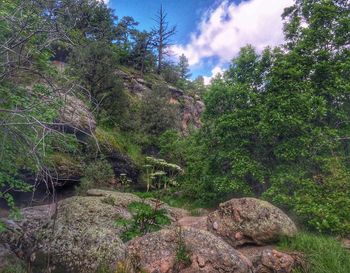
(184, 67)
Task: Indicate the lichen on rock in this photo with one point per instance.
(156, 252)
(249, 220)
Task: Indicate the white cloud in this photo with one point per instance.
(214, 72)
(105, 1)
(223, 30)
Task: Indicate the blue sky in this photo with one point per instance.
(211, 32)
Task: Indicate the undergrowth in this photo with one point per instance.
(322, 254)
(145, 219)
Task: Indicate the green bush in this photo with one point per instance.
(182, 254)
(97, 174)
(157, 113)
(13, 269)
(145, 219)
(322, 254)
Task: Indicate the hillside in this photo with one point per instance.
(114, 158)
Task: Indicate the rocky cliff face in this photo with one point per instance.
(191, 108)
(75, 116)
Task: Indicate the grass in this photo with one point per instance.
(118, 141)
(174, 201)
(323, 254)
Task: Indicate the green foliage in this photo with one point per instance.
(157, 113)
(116, 140)
(277, 123)
(182, 254)
(94, 65)
(21, 135)
(141, 55)
(109, 200)
(87, 20)
(184, 67)
(322, 254)
(13, 269)
(97, 174)
(145, 219)
(172, 146)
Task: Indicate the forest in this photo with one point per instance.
(106, 138)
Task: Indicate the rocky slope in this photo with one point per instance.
(191, 108)
(79, 233)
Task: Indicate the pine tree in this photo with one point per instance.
(184, 67)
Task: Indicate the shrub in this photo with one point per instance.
(182, 253)
(13, 269)
(145, 219)
(157, 113)
(97, 174)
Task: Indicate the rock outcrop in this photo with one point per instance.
(79, 233)
(266, 259)
(190, 108)
(159, 252)
(75, 117)
(250, 221)
(198, 222)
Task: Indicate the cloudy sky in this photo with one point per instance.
(211, 32)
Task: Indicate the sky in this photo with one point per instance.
(211, 32)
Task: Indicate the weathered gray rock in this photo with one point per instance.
(266, 259)
(198, 222)
(75, 116)
(192, 111)
(78, 234)
(157, 252)
(250, 220)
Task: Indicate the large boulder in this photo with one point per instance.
(266, 259)
(250, 221)
(75, 116)
(198, 222)
(77, 234)
(201, 251)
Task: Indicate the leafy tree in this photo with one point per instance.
(30, 102)
(157, 113)
(94, 65)
(83, 20)
(142, 54)
(277, 124)
(124, 30)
